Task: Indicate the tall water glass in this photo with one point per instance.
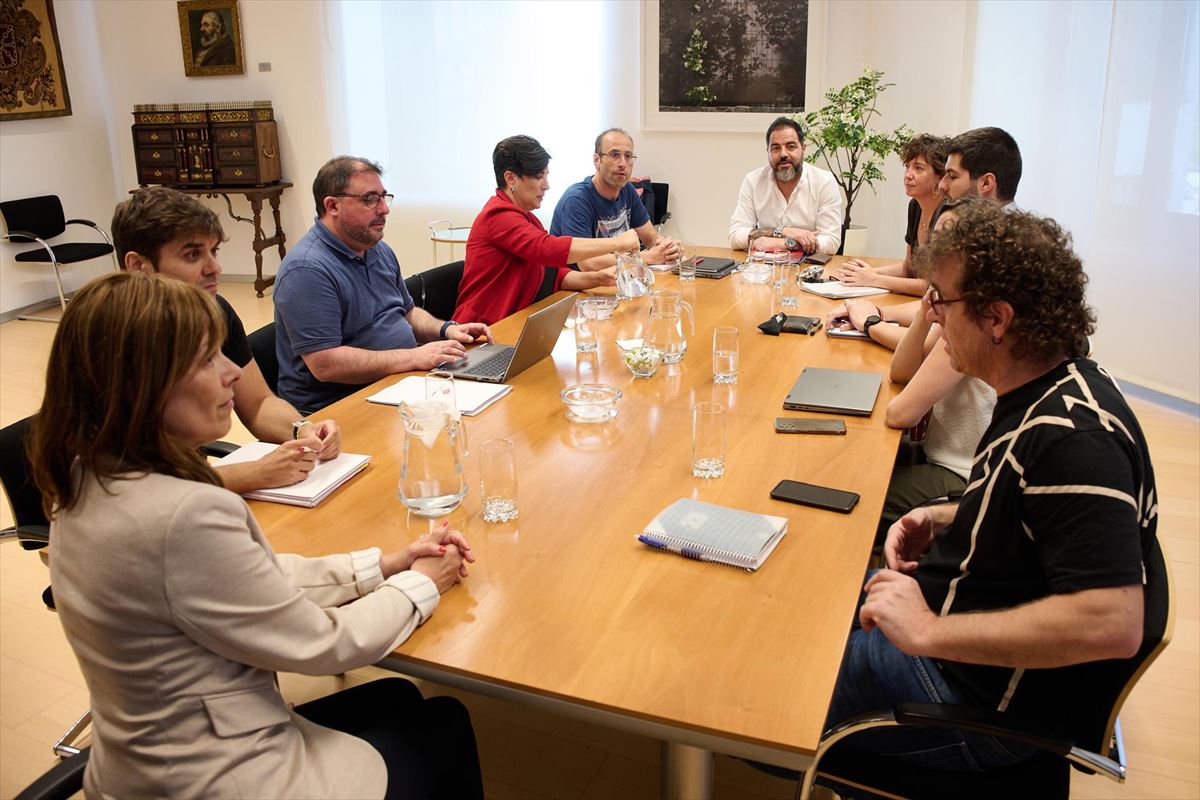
(585, 326)
(708, 440)
(687, 262)
(440, 386)
(498, 480)
(789, 288)
(725, 355)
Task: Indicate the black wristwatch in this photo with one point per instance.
(445, 325)
(874, 319)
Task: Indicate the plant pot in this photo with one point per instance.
(854, 241)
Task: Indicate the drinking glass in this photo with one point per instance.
(708, 440)
(440, 386)
(585, 327)
(789, 288)
(725, 355)
(687, 262)
(498, 480)
(776, 261)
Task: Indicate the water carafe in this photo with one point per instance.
(664, 328)
(431, 477)
(634, 278)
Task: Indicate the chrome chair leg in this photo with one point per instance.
(64, 747)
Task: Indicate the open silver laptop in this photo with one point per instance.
(834, 390)
(496, 363)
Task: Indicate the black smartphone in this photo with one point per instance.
(836, 427)
(806, 494)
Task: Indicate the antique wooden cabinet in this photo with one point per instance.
(206, 144)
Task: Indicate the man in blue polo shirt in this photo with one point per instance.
(606, 205)
(343, 318)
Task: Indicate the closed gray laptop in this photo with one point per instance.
(496, 363)
(834, 390)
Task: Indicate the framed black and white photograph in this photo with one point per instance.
(211, 35)
(729, 65)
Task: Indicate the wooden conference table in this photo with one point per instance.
(565, 610)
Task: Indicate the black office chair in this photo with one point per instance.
(60, 781)
(38, 219)
(1090, 739)
(660, 214)
(262, 347)
(436, 290)
(32, 530)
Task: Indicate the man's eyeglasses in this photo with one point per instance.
(617, 155)
(936, 301)
(370, 199)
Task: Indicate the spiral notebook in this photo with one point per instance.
(706, 532)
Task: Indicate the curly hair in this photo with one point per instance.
(933, 148)
(1025, 261)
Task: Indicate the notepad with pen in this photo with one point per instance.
(708, 532)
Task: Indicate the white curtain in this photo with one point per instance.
(1103, 98)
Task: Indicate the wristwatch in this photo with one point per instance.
(874, 319)
(777, 232)
(791, 244)
(297, 426)
(445, 325)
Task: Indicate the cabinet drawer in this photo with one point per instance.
(163, 136)
(241, 154)
(234, 134)
(154, 156)
(237, 174)
(163, 174)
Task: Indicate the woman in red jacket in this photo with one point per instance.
(508, 250)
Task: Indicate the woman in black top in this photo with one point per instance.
(924, 164)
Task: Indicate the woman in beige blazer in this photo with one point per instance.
(177, 608)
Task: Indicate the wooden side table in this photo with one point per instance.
(256, 195)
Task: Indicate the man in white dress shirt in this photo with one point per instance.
(787, 204)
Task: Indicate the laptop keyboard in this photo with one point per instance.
(495, 366)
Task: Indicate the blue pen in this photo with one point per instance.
(686, 552)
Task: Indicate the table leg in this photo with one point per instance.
(687, 772)
(256, 207)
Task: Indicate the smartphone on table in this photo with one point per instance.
(808, 494)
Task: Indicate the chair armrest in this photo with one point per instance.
(219, 448)
(62, 780)
(33, 537)
(980, 720)
(81, 221)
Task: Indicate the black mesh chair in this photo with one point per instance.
(436, 290)
(32, 530)
(39, 219)
(262, 347)
(1089, 737)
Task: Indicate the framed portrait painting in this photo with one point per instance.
(32, 81)
(211, 34)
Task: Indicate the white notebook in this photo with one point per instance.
(836, 290)
(472, 396)
(320, 483)
(708, 532)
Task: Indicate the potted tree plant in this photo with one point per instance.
(840, 134)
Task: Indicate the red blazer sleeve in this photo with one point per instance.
(512, 231)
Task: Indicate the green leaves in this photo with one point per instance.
(840, 134)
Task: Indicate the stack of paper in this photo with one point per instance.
(325, 477)
(472, 396)
(836, 290)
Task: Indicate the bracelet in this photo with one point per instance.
(445, 325)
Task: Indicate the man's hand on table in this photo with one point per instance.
(429, 355)
(850, 315)
(664, 251)
(469, 332)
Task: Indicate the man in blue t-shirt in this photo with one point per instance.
(606, 205)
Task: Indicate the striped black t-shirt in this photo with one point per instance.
(1061, 498)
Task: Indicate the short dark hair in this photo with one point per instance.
(1025, 261)
(522, 155)
(933, 148)
(984, 150)
(156, 215)
(785, 122)
(335, 176)
(600, 138)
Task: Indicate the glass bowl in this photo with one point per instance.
(590, 403)
(756, 272)
(601, 308)
(642, 361)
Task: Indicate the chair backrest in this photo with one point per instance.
(661, 190)
(23, 494)
(436, 290)
(42, 216)
(262, 347)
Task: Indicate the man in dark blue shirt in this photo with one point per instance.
(606, 205)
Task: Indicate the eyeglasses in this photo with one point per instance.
(936, 301)
(370, 199)
(617, 155)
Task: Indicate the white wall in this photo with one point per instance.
(67, 156)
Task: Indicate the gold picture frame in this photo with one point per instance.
(32, 81)
(211, 34)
